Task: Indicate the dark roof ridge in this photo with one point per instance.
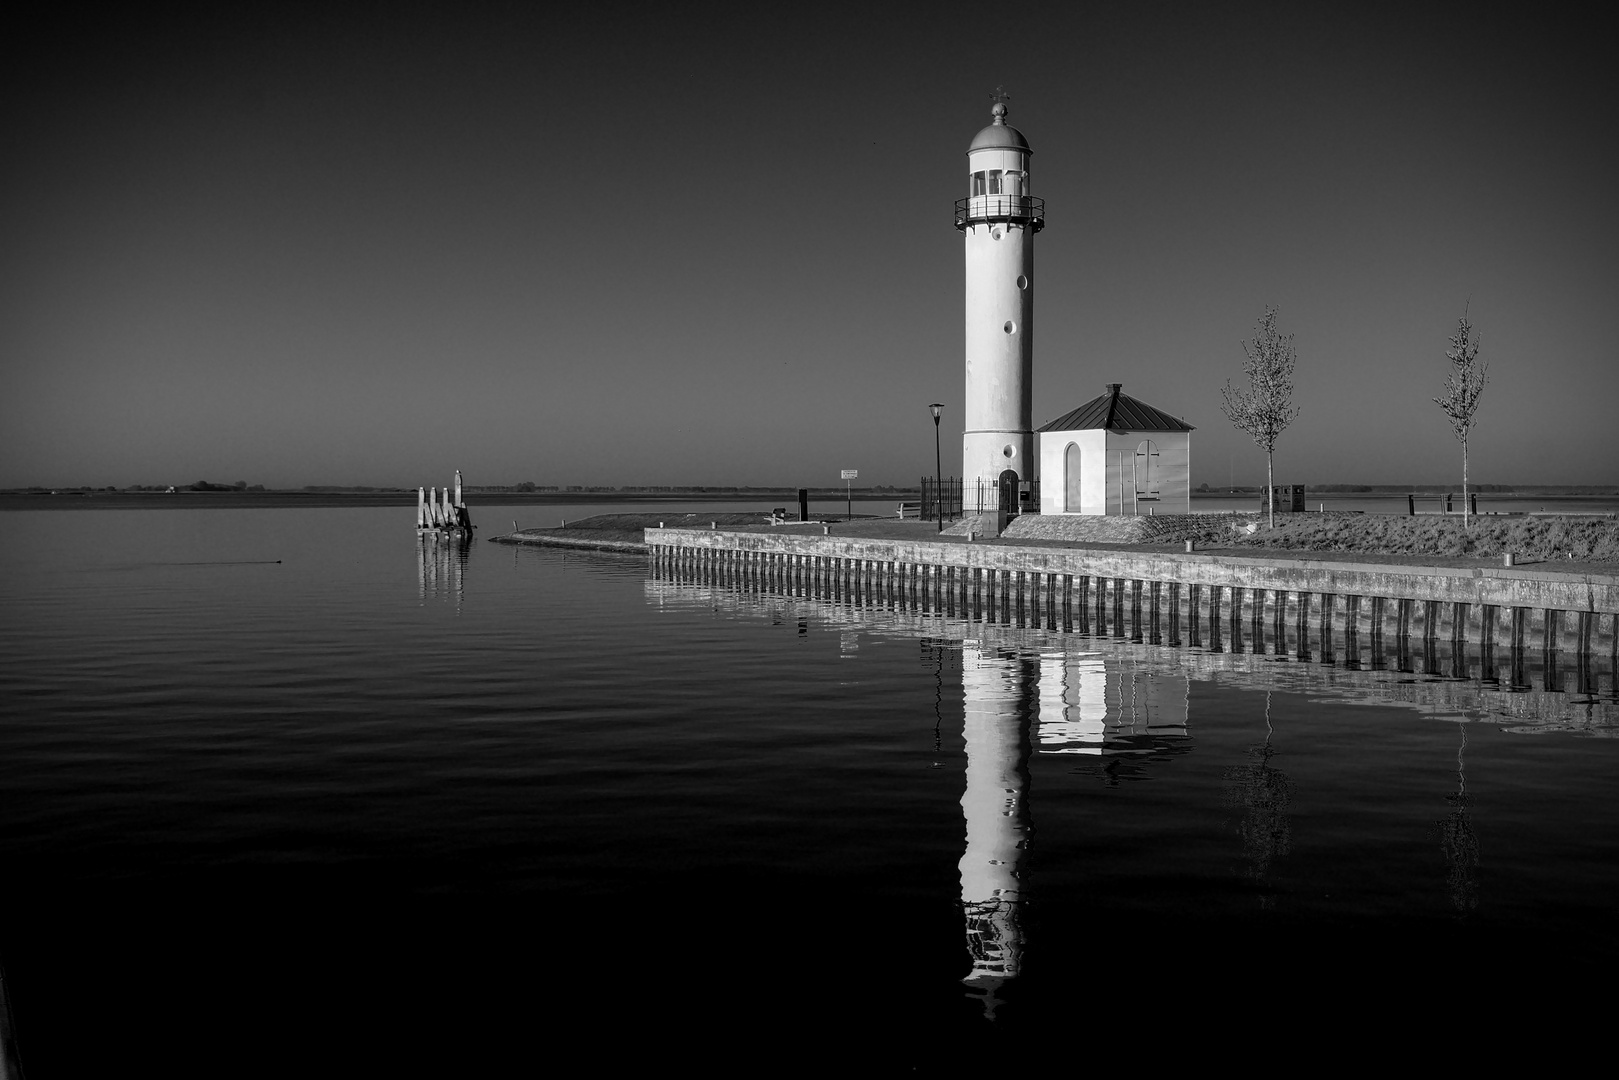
(1116, 411)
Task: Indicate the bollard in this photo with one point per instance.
(1410, 506)
(564, 523)
(826, 530)
(1191, 545)
(713, 524)
(514, 526)
(660, 524)
(970, 536)
(1506, 559)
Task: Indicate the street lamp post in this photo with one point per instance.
(938, 468)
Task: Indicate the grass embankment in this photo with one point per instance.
(1530, 539)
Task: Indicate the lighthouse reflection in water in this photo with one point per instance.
(1017, 703)
(1337, 802)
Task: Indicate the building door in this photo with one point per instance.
(1008, 493)
(1071, 489)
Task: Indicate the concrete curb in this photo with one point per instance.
(623, 546)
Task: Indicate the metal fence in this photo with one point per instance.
(950, 498)
(941, 498)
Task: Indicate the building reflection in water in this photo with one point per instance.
(1120, 711)
(1125, 715)
(995, 693)
(1015, 701)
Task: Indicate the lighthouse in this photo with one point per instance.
(998, 219)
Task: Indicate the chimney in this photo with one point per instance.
(1113, 389)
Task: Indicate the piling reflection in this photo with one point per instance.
(441, 565)
(1260, 638)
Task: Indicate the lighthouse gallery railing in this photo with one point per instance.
(1013, 209)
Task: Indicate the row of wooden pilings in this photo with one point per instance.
(1569, 650)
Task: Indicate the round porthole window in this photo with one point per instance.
(995, 234)
(1009, 451)
(1022, 281)
(1010, 328)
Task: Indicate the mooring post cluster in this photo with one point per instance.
(440, 511)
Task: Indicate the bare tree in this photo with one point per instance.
(1463, 387)
(1266, 407)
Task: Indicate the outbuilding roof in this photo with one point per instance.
(1116, 412)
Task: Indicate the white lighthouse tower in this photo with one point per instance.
(999, 219)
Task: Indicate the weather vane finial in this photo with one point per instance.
(1000, 97)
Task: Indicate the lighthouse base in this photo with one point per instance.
(1000, 470)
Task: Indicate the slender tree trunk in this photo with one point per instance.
(1465, 523)
(1270, 487)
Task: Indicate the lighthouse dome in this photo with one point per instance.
(1000, 135)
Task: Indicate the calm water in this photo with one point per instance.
(392, 806)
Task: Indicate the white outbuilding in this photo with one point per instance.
(1115, 455)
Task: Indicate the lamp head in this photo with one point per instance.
(937, 409)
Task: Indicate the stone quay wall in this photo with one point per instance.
(1201, 597)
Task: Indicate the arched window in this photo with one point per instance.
(1071, 488)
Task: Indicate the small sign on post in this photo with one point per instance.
(848, 491)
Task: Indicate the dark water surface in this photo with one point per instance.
(396, 806)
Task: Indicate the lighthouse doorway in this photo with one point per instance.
(1008, 494)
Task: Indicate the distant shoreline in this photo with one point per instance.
(268, 500)
(69, 499)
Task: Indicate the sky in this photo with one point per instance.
(714, 244)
